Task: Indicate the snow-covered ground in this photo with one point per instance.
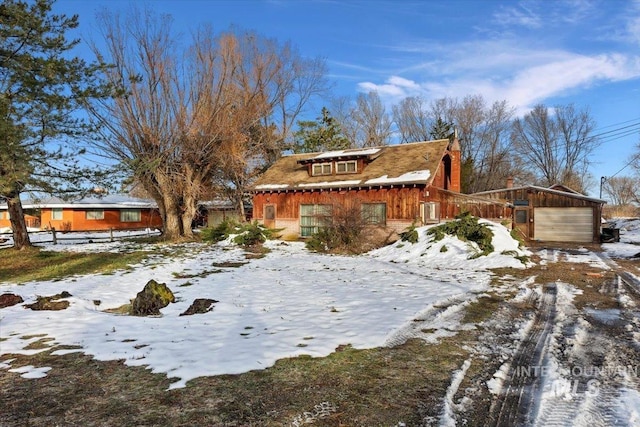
(294, 302)
(629, 244)
(291, 302)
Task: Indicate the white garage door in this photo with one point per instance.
(563, 224)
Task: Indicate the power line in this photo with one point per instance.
(634, 126)
(633, 159)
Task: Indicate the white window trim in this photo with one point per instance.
(95, 211)
(346, 164)
(321, 167)
(55, 211)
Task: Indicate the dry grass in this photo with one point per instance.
(374, 387)
(19, 266)
(363, 387)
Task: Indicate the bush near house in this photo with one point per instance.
(466, 228)
(348, 231)
(245, 234)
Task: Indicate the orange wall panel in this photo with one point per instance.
(76, 220)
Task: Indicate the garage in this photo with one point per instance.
(554, 214)
(565, 224)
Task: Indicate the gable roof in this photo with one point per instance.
(414, 163)
(110, 201)
(553, 189)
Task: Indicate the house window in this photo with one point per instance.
(521, 216)
(56, 213)
(130, 215)
(347, 167)
(313, 217)
(94, 214)
(374, 213)
(321, 169)
(430, 212)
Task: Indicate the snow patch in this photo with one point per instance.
(31, 372)
(448, 416)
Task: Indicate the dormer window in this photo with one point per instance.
(321, 169)
(350, 166)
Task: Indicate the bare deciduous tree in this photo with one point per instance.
(366, 123)
(557, 144)
(184, 121)
(413, 120)
(483, 132)
(623, 190)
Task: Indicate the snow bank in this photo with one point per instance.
(452, 253)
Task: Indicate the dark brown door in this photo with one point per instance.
(521, 219)
(270, 216)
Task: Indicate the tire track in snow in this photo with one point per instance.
(516, 398)
(436, 321)
(586, 389)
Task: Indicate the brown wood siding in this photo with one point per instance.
(538, 198)
(452, 204)
(402, 203)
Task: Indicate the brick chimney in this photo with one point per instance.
(510, 182)
(455, 155)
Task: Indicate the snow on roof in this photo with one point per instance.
(111, 201)
(330, 184)
(342, 153)
(271, 186)
(415, 176)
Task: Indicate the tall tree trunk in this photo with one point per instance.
(18, 225)
(172, 221)
(240, 206)
(189, 207)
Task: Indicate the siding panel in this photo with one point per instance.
(566, 224)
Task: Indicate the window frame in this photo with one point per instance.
(311, 222)
(521, 216)
(125, 212)
(430, 212)
(322, 167)
(57, 214)
(370, 216)
(94, 214)
(346, 164)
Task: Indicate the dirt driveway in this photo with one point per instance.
(575, 359)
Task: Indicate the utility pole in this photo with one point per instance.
(603, 179)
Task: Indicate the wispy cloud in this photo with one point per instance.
(525, 63)
(519, 15)
(633, 23)
(537, 76)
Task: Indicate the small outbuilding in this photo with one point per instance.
(554, 214)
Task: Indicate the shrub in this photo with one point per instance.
(248, 234)
(410, 234)
(347, 230)
(517, 235)
(220, 232)
(466, 228)
(253, 234)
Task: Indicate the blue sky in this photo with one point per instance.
(526, 52)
